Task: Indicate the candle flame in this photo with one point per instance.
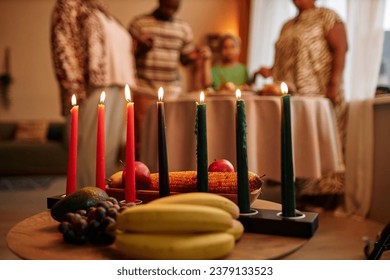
(238, 93)
(74, 103)
(201, 97)
(127, 93)
(284, 88)
(160, 94)
(102, 97)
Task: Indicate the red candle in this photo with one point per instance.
(100, 149)
(72, 151)
(130, 190)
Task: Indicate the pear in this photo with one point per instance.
(116, 180)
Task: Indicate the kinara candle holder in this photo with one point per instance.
(266, 221)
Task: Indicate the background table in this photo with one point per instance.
(38, 238)
(367, 155)
(317, 147)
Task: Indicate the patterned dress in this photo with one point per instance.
(91, 52)
(303, 60)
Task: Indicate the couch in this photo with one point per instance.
(22, 153)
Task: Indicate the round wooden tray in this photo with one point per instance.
(149, 195)
(37, 237)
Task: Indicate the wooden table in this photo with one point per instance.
(38, 238)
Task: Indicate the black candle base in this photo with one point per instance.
(271, 222)
(53, 200)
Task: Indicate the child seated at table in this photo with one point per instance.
(229, 74)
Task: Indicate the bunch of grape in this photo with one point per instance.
(95, 225)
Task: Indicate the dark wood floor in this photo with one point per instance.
(337, 238)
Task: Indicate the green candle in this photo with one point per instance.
(201, 147)
(164, 189)
(243, 196)
(288, 188)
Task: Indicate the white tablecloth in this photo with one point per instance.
(360, 159)
(317, 148)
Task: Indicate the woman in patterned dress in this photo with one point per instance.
(92, 52)
(310, 57)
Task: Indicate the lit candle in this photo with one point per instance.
(243, 196)
(100, 146)
(287, 180)
(130, 190)
(72, 151)
(201, 148)
(162, 147)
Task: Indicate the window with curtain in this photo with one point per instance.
(384, 71)
(364, 22)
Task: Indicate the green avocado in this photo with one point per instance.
(80, 199)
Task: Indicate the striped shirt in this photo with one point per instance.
(160, 65)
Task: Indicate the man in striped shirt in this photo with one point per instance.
(162, 43)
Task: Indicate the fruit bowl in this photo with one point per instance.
(221, 183)
(149, 195)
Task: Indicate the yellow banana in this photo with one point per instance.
(201, 198)
(177, 218)
(174, 246)
(115, 181)
(236, 230)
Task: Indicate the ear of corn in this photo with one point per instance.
(219, 182)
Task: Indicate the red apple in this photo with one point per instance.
(221, 165)
(142, 175)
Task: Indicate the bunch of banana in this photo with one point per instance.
(182, 226)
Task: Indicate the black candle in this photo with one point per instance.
(163, 173)
(243, 195)
(288, 188)
(201, 145)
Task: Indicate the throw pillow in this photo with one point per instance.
(34, 131)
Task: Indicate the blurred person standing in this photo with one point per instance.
(230, 73)
(162, 43)
(310, 57)
(92, 52)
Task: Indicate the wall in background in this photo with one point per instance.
(25, 29)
